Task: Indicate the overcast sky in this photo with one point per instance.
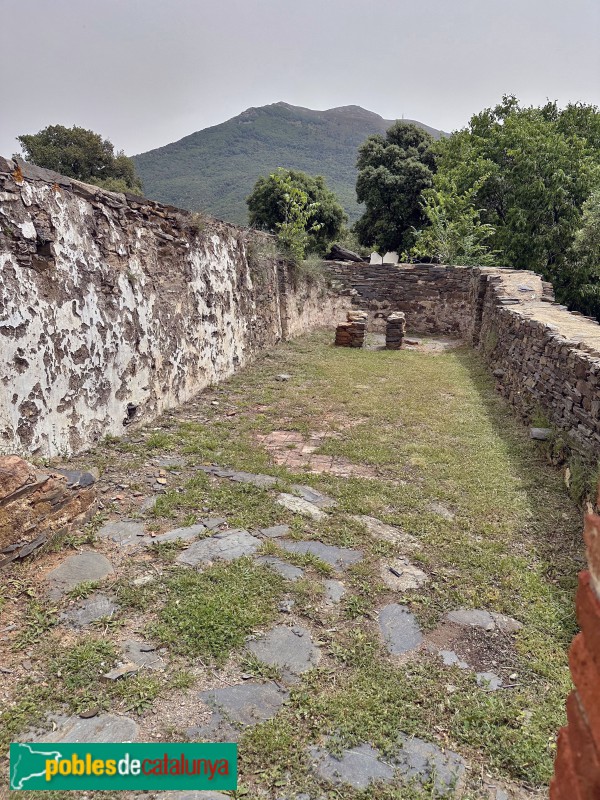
(147, 72)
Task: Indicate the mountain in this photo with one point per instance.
(215, 169)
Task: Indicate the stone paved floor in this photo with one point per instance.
(389, 632)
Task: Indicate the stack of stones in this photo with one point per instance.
(352, 333)
(394, 331)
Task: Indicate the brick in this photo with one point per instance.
(586, 678)
(586, 760)
(588, 615)
(564, 770)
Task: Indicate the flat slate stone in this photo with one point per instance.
(334, 590)
(506, 624)
(389, 533)
(143, 654)
(124, 532)
(541, 434)
(89, 610)
(104, 728)
(288, 571)
(358, 767)
(313, 496)
(300, 506)
(186, 534)
(337, 557)
(262, 481)
(239, 707)
(169, 461)
(226, 546)
(77, 569)
(275, 532)
(488, 681)
(475, 617)
(400, 575)
(148, 504)
(214, 523)
(421, 761)
(450, 658)
(399, 629)
(290, 649)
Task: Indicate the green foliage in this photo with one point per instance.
(300, 208)
(455, 234)
(529, 171)
(81, 154)
(393, 171)
(579, 284)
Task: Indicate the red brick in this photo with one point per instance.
(564, 770)
(586, 678)
(583, 750)
(591, 534)
(588, 615)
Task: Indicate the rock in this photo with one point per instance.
(422, 762)
(120, 672)
(300, 506)
(167, 462)
(89, 610)
(287, 571)
(506, 624)
(103, 728)
(227, 546)
(313, 496)
(337, 557)
(238, 707)
(292, 650)
(286, 606)
(488, 681)
(441, 511)
(77, 569)
(376, 259)
(124, 532)
(358, 767)
(487, 620)
(391, 257)
(339, 253)
(214, 523)
(542, 434)
(400, 575)
(283, 376)
(38, 505)
(450, 659)
(148, 504)
(399, 629)
(395, 329)
(275, 532)
(498, 373)
(262, 481)
(185, 534)
(142, 654)
(388, 533)
(334, 590)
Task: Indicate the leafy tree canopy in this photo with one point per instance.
(393, 170)
(579, 284)
(289, 193)
(81, 154)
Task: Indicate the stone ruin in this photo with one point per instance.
(352, 333)
(395, 330)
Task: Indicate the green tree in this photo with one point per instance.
(81, 154)
(529, 170)
(393, 170)
(578, 285)
(281, 201)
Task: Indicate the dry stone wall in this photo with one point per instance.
(113, 308)
(544, 358)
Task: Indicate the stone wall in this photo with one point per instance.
(577, 764)
(544, 358)
(113, 308)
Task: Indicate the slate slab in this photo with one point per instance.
(488, 681)
(226, 546)
(423, 762)
(214, 523)
(388, 533)
(89, 610)
(450, 658)
(290, 649)
(143, 654)
(541, 434)
(401, 576)
(313, 496)
(103, 728)
(275, 532)
(186, 534)
(124, 532)
(237, 707)
(358, 767)
(480, 618)
(77, 569)
(169, 461)
(148, 504)
(337, 557)
(300, 506)
(262, 481)
(334, 590)
(399, 629)
(288, 571)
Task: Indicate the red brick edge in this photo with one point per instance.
(577, 764)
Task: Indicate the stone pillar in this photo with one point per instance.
(352, 333)
(394, 330)
(577, 764)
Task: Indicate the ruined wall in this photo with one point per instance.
(113, 308)
(542, 356)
